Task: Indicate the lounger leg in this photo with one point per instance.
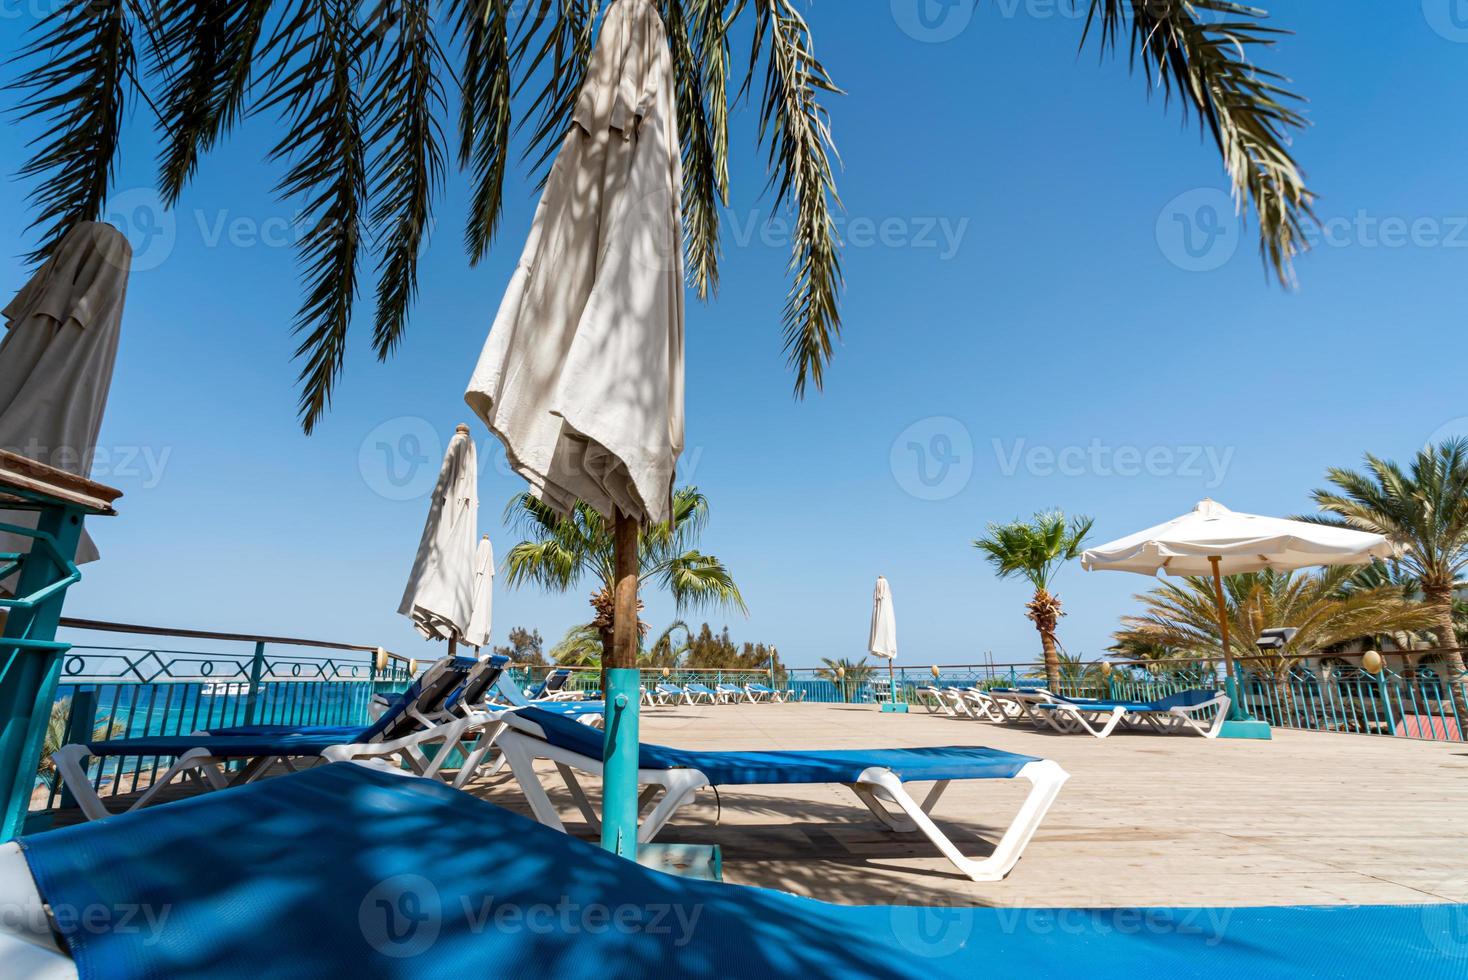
(1045, 777)
(578, 795)
(679, 785)
(70, 762)
(523, 766)
(885, 817)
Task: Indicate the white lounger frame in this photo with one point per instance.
(209, 770)
(874, 787)
(1103, 719)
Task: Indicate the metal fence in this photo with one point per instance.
(110, 692)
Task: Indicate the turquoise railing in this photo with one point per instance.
(109, 692)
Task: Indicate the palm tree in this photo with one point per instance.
(1034, 550)
(1426, 510)
(847, 675)
(559, 553)
(367, 127)
(580, 647)
(1183, 615)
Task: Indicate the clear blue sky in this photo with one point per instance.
(1020, 304)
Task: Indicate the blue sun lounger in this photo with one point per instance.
(505, 691)
(424, 701)
(1201, 711)
(875, 776)
(345, 871)
(203, 754)
(698, 692)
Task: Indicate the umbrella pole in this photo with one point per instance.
(891, 682)
(623, 696)
(1230, 684)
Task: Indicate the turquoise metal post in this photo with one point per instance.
(30, 671)
(623, 697)
(257, 670)
(619, 806)
(81, 722)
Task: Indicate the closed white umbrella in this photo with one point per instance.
(582, 375)
(56, 360)
(477, 634)
(1213, 540)
(439, 598)
(883, 638)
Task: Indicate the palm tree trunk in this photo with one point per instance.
(1441, 601)
(1052, 660)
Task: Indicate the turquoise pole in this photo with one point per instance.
(30, 672)
(619, 778)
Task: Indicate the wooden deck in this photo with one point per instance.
(1308, 818)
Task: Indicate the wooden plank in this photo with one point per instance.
(24, 475)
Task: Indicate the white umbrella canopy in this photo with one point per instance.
(1188, 544)
(1213, 540)
(882, 642)
(883, 639)
(582, 375)
(480, 619)
(439, 598)
(57, 357)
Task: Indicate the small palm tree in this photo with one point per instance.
(1424, 508)
(55, 738)
(559, 553)
(1183, 615)
(580, 647)
(375, 99)
(1035, 550)
(847, 675)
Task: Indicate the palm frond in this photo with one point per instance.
(1199, 49)
(484, 116)
(796, 129)
(698, 581)
(315, 85)
(406, 100)
(562, 57)
(201, 52)
(701, 192)
(80, 73)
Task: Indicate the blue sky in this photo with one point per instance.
(1022, 307)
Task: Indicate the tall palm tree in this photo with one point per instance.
(1035, 550)
(1183, 615)
(847, 675)
(1424, 508)
(374, 97)
(559, 553)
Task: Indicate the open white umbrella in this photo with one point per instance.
(882, 641)
(1213, 540)
(439, 598)
(582, 375)
(56, 360)
(477, 635)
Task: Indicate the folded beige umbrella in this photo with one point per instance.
(439, 598)
(582, 374)
(477, 635)
(882, 641)
(56, 360)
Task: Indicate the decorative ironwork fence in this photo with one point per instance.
(109, 692)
